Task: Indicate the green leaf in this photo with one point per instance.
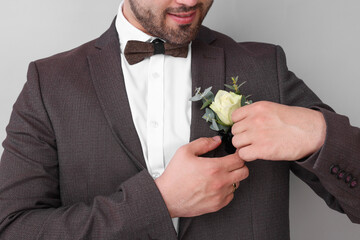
(208, 97)
(205, 104)
(195, 98)
(206, 92)
(235, 79)
(198, 96)
(210, 111)
(224, 128)
(243, 101)
(214, 126)
(230, 87)
(209, 115)
(240, 85)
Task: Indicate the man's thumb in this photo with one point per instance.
(203, 145)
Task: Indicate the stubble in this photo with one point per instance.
(156, 24)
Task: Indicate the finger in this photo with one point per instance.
(203, 145)
(240, 114)
(231, 188)
(235, 186)
(238, 175)
(242, 125)
(231, 162)
(228, 199)
(242, 140)
(249, 153)
(239, 127)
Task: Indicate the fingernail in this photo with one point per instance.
(217, 139)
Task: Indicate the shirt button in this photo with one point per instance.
(155, 175)
(155, 75)
(154, 124)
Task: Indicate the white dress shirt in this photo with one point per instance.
(158, 89)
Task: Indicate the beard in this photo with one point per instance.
(155, 24)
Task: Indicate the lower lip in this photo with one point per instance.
(183, 20)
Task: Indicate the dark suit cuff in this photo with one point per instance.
(148, 209)
(338, 150)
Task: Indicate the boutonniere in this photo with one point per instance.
(219, 108)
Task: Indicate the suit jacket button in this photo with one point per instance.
(348, 178)
(334, 169)
(353, 183)
(341, 174)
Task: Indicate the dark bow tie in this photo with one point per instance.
(136, 51)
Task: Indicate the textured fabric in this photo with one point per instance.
(72, 167)
(136, 51)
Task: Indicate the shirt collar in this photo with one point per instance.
(127, 31)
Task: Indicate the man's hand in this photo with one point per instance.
(192, 185)
(271, 131)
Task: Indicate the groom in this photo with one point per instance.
(98, 141)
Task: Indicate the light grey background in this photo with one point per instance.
(321, 39)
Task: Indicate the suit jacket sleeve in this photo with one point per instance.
(342, 147)
(30, 193)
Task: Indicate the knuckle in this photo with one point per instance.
(243, 154)
(213, 170)
(242, 163)
(234, 115)
(218, 186)
(260, 119)
(261, 106)
(245, 172)
(234, 128)
(257, 106)
(235, 140)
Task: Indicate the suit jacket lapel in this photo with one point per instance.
(208, 69)
(108, 80)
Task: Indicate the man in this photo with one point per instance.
(89, 157)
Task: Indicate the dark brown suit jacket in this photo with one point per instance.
(73, 167)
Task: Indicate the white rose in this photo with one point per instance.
(224, 104)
